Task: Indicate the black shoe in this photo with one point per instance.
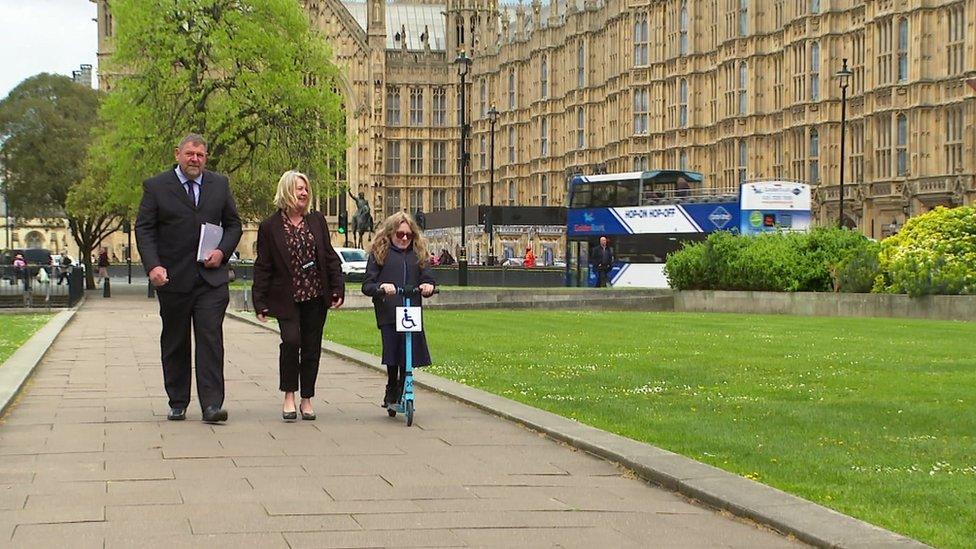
(176, 414)
(289, 416)
(213, 414)
(310, 416)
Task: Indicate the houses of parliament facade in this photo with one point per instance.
(735, 89)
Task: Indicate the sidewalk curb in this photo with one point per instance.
(19, 367)
(783, 512)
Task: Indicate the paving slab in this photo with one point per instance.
(87, 458)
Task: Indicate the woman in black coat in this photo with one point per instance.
(297, 277)
(398, 258)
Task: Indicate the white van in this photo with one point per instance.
(353, 262)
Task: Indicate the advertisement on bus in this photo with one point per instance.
(769, 206)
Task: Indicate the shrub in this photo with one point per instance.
(857, 272)
(791, 262)
(934, 253)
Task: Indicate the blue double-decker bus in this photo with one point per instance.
(647, 215)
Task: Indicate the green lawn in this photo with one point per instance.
(16, 329)
(871, 417)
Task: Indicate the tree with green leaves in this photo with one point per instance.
(251, 76)
(45, 131)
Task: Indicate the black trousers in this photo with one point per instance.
(601, 277)
(202, 308)
(396, 376)
(301, 347)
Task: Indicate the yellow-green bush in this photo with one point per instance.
(934, 253)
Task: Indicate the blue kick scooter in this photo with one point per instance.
(408, 321)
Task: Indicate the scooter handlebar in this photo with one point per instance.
(412, 291)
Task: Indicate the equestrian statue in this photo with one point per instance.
(362, 220)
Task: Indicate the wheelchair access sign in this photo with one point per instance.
(409, 319)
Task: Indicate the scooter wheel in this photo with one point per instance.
(409, 413)
(391, 413)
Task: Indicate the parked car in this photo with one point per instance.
(353, 263)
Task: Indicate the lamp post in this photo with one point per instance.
(489, 223)
(844, 75)
(464, 64)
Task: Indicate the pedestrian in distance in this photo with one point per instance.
(529, 262)
(445, 258)
(65, 269)
(398, 258)
(191, 293)
(601, 261)
(297, 278)
(103, 263)
(20, 270)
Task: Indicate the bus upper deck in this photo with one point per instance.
(648, 215)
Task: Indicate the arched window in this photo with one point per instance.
(683, 29)
(901, 145)
(815, 71)
(484, 98)
(902, 50)
(544, 137)
(580, 66)
(743, 161)
(814, 156)
(544, 78)
(35, 239)
(511, 88)
(683, 103)
(743, 86)
(743, 17)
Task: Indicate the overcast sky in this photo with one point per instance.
(45, 36)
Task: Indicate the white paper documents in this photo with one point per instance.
(210, 236)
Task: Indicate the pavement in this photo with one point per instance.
(87, 459)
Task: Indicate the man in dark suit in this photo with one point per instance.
(174, 205)
(601, 261)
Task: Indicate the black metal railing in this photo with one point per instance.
(36, 286)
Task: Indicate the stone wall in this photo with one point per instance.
(942, 307)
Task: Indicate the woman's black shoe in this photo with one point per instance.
(310, 416)
(289, 416)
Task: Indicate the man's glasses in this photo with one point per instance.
(404, 235)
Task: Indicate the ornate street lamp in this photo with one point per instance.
(464, 65)
(844, 75)
(489, 223)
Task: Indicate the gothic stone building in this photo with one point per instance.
(736, 89)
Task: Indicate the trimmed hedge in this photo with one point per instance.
(934, 253)
(778, 262)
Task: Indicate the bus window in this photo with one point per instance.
(627, 193)
(603, 195)
(582, 195)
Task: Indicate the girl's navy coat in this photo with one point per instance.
(401, 269)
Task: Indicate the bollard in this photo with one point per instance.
(152, 291)
(107, 288)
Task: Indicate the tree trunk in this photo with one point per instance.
(88, 234)
(89, 272)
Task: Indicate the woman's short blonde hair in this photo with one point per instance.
(285, 198)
